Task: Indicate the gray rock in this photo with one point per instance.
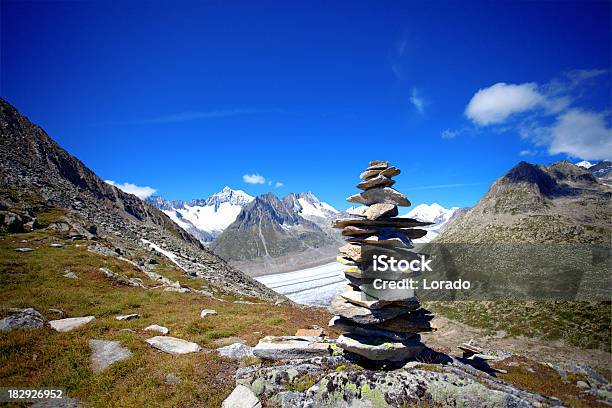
(101, 250)
(241, 397)
(105, 352)
(363, 315)
(290, 347)
(380, 349)
(368, 174)
(24, 250)
(121, 279)
(380, 195)
(582, 384)
(172, 379)
(128, 317)
(175, 289)
(378, 165)
(358, 211)
(71, 323)
(172, 345)
(364, 300)
(384, 210)
(344, 325)
(70, 275)
(236, 351)
(207, 312)
(378, 181)
(23, 319)
(12, 222)
(157, 328)
(56, 245)
(390, 172)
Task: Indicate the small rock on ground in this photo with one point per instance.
(208, 312)
(24, 249)
(128, 316)
(157, 328)
(105, 352)
(64, 325)
(173, 345)
(241, 397)
(70, 274)
(236, 351)
(23, 319)
(172, 379)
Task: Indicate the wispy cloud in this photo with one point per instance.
(204, 115)
(527, 152)
(417, 100)
(278, 184)
(440, 186)
(253, 179)
(141, 192)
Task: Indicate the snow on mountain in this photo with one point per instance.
(585, 164)
(435, 213)
(308, 206)
(205, 218)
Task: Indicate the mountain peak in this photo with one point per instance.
(585, 164)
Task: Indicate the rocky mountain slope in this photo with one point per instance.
(270, 228)
(33, 165)
(206, 218)
(558, 203)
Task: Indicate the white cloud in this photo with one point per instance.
(278, 184)
(574, 131)
(581, 134)
(527, 152)
(253, 179)
(496, 103)
(417, 100)
(138, 191)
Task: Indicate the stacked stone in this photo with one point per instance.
(378, 324)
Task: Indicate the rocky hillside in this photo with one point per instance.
(559, 203)
(270, 228)
(36, 175)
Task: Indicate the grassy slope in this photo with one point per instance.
(48, 358)
(581, 324)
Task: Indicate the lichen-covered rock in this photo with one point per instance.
(331, 382)
(22, 319)
(380, 349)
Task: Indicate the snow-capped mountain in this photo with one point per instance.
(585, 164)
(440, 216)
(205, 218)
(601, 171)
(308, 206)
(273, 228)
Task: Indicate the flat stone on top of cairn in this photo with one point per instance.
(378, 325)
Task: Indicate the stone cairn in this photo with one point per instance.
(380, 325)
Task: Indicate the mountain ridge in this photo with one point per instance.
(560, 202)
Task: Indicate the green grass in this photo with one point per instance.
(581, 324)
(535, 377)
(44, 357)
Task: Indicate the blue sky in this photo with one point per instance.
(187, 97)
